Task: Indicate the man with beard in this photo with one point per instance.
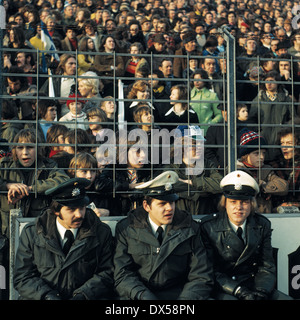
(66, 254)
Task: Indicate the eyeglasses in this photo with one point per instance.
(136, 29)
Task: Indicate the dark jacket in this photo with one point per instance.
(179, 269)
(116, 188)
(41, 266)
(233, 264)
(47, 176)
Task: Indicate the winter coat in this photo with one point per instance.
(41, 265)
(47, 176)
(178, 269)
(207, 111)
(234, 264)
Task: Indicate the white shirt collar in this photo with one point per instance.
(235, 227)
(154, 226)
(62, 230)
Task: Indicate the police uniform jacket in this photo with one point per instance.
(233, 263)
(178, 269)
(42, 267)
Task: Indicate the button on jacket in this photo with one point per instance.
(233, 263)
(178, 269)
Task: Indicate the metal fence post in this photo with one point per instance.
(231, 99)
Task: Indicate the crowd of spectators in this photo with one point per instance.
(171, 57)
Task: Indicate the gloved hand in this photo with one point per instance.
(78, 296)
(243, 293)
(261, 295)
(145, 295)
(52, 295)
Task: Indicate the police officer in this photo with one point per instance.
(67, 252)
(238, 241)
(159, 252)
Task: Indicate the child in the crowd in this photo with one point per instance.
(77, 141)
(242, 116)
(84, 165)
(110, 109)
(251, 154)
(75, 105)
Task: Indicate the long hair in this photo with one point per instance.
(63, 60)
(26, 136)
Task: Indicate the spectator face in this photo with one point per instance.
(143, 94)
(68, 12)
(154, 82)
(109, 44)
(231, 18)
(90, 44)
(209, 66)
(136, 158)
(68, 148)
(272, 85)
(146, 118)
(50, 25)
(51, 113)
(274, 44)
(284, 65)
(269, 65)
(89, 30)
(110, 26)
(256, 158)
(166, 68)
(190, 46)
(88, 174)
(287, 146)
(251, 45)
(134, 29)
(94, 126)
(243, 114)
(160, 212)
(70, 67)
(71, 34)
(174, 96)
(25, 154)
(85, 90)
(108, 107)
(75, 108)
(146, 26)
(198, 84)
(71, 217)
(14, 87)
(238, 210)
(21, 60)
(159, 47)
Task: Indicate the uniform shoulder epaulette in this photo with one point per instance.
(208, 217)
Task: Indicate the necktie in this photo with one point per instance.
(160, 231)
(239, 233)
(70, 239)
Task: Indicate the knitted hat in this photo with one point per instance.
(72, 98)
(249, 142)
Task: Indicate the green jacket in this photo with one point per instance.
(206, 110)
(42, 267)
(178, 269)
(48, 176)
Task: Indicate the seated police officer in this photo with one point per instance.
(67, 252)
(238, 241)
(159, 252)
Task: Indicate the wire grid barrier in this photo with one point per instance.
(227, 82)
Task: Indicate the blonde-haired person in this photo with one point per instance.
(85, 165)
(89, 86)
